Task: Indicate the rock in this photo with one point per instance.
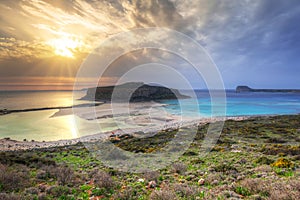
(50, 189)
(42, 187)
(152, 184)
(232, 195)
(41, 174)
(42, 196)
(200, 172)
(141, 180)
(181, 180)
(32, 190)
(190, 177)
(244, 88)
(201, 181)
(215, 182)
(243, 161)
(93, 164)
(256, 197)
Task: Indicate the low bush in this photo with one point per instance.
(179, 168)
(186, 191)
(224, 167)
(283, 163)
(5, 196)
(242, 191)
(164, 194)
(12, 179)
(58, 191)
(103, 180)
(264, 160)
(151, 175)
(64, 175)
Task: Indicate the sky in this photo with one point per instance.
(44, 43)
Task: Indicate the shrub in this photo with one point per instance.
(126, 194)
(186, 191)
(190, 153)
(163, 195)
(263, 168)
(213, 177)
(151, 176)
(47, 172)
(5, 196)
(103, 180)
(13, 179)
(255, 185)
(283, 163)
(284, 190)
(242, 191)
(224, 167)
(58, 191)
(264, 160)
(179, 168)
(64, 175)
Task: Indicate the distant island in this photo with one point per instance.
(244, 88)
(140, 93)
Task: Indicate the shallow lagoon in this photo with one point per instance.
(41, 125)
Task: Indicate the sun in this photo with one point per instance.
(64, 46)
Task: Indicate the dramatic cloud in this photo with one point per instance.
(248, 40)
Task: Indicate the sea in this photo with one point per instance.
(46, 125)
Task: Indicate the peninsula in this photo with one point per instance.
(136, 91)
(244, 88)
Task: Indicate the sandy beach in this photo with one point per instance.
(7, 144)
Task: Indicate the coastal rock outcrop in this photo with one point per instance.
(244, 88)
(132, 91)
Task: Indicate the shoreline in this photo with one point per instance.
(7, 144)
(7, 112)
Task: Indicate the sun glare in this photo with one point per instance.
(64, 46)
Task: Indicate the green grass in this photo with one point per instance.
(252, 138)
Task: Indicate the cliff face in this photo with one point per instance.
(139, 92)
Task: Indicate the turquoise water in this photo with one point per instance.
(238, 104)
(40, 125)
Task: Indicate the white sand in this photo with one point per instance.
(173, 123)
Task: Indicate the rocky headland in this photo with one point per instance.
(133, 92)
(244, 88)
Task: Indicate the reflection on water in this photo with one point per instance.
(19, 100)
(37, 126)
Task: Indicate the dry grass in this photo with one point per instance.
(179, 168)
(103, 180)
(165, 194)
(186, 191)
(151, 175)
(64, 175)
(13, 179)
(4, 196)
(281, 189)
